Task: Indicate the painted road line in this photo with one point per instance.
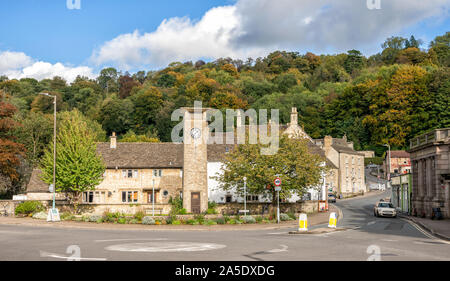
(143, 239)
(425, 232)
(372, 222)
(166, 247)
(57, 256)
(284, 248)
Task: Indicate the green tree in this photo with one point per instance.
(299, 169)
(35, 133)
(78, 166)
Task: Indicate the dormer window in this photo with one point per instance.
(157, 173)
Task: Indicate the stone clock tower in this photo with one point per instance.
(195, 174)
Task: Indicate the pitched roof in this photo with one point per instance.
(398, 154)
(142, 155)
(36, 185)
(346, 149)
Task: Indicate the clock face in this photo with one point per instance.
(196, 133)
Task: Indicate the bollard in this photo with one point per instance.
(333, 220)
(302, 222)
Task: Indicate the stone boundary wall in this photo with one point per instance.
(164, 209)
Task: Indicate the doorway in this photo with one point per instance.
(195, 202)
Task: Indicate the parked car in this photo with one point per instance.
(384, 209)
(331, 198)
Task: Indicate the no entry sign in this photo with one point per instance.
(277, 182)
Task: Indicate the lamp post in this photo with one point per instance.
(55, 215)
(245, 195)
(153, 198)
(389, 151)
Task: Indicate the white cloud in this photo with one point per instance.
(253, 28)
(17, 65)
(13, 61)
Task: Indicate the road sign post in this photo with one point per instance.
(277, 183)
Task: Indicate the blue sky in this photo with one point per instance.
(47, 30)
(40, 38)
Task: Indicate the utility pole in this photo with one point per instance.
(389, 155)
(245, 195)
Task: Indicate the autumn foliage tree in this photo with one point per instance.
(10, 150)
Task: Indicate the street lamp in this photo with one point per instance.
(53, 214)
(245, 195)
(389, 149)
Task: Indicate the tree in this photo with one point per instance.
(131, 136)
(10, 150)
(35, 133)
(298, 168)
(126, 84)
(441, 46)
(108, 79)
(78, 166)
(115, 114)
(354, 61)
(147, 103)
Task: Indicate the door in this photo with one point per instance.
(195, 202)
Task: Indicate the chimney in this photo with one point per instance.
(294, 116)
(113, 143)
(327, 142)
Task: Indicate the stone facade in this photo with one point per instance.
(350, 177)
(430, 157)
(195, 170)
(400, 163)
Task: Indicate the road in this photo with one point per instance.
(367, 238)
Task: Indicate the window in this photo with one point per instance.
(129, 196)
(130, 173)
(228, 198)
(94, 197)
(252, 197)
(157, 173)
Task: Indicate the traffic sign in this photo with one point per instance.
(277, 188)
(277, 182)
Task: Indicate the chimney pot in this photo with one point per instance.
(113, 143)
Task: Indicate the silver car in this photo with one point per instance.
(384, 209)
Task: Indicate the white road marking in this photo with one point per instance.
(389, 240)
(57, 256)
(284, 248)
(372, 222)
(425, 233)
(144, 239)
(277, 233)
(156, 247)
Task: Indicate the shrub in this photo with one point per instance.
(148, 220)
(122, 220)
(95, 218)
(29, 207)
(134, 221)
(221, 221)
(232, 221)
(211, 208)
(209, 222)
(192, 222)
(176, 222)
(292, 215)
(259, 219)
(139, 215)
(177, 206)
(200, 218)
(211, 211)
(66, 216)
(284, 217)
(248, 219)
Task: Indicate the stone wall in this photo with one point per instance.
(266, 208)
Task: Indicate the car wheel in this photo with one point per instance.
(375, 213)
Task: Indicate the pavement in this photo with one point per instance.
(313, 219)
(439, 228)
(363, 237)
